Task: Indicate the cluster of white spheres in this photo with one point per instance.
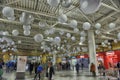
(38, 37)
(66, 3)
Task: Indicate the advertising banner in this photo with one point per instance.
(21, 63)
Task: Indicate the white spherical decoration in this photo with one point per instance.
(112, 25)
(19, 42)
(57, 40)
(61, 32)
(73, 23)
(4, 50)
(76, 30)
(68, 35)
(106, 41)
(73, 38)
(42, 24)
(97, 25)
(66, 3)
(26, 33)
(11, 18)
(115, 40)
(82, 39)
(97, 32)
(82, 33)
(15, 32)
(86, 26)
(118, 35)
(53, 3)
(26, 27)
(8, 12)
(62, 18)
(84, 4)
(38, 37)
(5, 33)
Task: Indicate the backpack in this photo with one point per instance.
(39, 69)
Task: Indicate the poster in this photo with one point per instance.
(21, 63)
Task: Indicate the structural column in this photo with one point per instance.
(92, 49)
(54, 58)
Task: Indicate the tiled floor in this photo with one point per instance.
(62, 75)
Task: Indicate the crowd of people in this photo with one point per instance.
(48, 68)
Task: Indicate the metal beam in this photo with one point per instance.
(109, 14)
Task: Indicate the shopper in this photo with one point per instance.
(118, 66)
(50, 71)
(39, 71)
(92, 69)
(77, 66)
(30, 68)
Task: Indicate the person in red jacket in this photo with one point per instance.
(92, 69)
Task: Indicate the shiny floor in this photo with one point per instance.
(61, 75)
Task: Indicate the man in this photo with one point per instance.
(39, 70)
(92, 69)
(50, 71)
(77, 67)
(118, 66)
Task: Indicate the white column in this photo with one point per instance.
(54, 59)
(92, 49)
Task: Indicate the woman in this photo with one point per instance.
(92, 69)
(50, 71)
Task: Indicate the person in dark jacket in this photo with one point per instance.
(77, 66)
(50, 71)
(30, 68)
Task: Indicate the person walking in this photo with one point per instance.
(30, 68)
(92, 69)
(39, 70)
(50, 71)
(77, 66)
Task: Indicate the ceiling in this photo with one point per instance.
(42, 12)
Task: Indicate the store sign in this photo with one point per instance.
(110, 53)
(21, 63)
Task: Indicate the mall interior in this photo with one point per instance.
(59, 40)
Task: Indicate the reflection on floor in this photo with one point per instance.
(61, 75)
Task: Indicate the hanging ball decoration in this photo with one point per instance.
(86, 26)
(97, 32)
(82, 39)
(15, 32)
(66, 3)
(26, 27)
(73, 23)
(26, 33)
(76, 30)
(38, 37)
(97, 25)
(57, 40)
(5, 33)
(84, 5)
(112, 25)
(118, 35)
(53, 3)
(68, 35)
(8, 12)
(11, 18)
(19, 42)
(73, 38)
(115, 41)
(82, 33)
(62, 18)
(106, 41)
